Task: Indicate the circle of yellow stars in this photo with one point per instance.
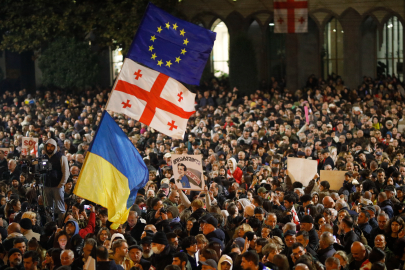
(183, 51)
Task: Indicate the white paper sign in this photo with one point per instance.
(188, 171)
(301, 170)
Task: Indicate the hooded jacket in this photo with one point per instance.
(225, 258)
(76, 242)
(235, 172)
(52, 179)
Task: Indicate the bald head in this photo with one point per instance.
(328, 202)
(301, 266)
(150, 227)
(358, 251)
(249, 210)
(13, 228)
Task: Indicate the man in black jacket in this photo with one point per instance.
(349, 236)
(382, 220)
(162, 251)
(326, 247)
(307, 224)
(134, 225)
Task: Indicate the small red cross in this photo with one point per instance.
(280, 21)
(172, 125)
(290, 6)
(138, 74)
(126, 104)
(301, 20)
(180, 97)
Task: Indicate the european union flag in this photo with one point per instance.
(172, 46)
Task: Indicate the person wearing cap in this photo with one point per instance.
(146, 243)
(327, 160)
(14, 259)
(26, 229)
(162, 251)
(56, 178)
(307, 224)
(390, 191)
(209, 264)
(135, 254)
(170, 220)
(209, 225)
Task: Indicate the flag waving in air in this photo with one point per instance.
(175, 47)
(290, 16)
(152, 98)
(113, 171)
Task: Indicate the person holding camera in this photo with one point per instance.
(55, 179)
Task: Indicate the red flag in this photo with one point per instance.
(152, 98)
(290, 16)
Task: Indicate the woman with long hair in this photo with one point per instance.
(102, 235)
(394, 230)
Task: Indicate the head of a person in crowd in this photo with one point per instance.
(290, 238)
(31, 260)
(135, 253)
(380, 242)
(180, 259)
(298, 250)
(20, 244)
(358, 251)
(15, 258)
(363, 218)
(71, 228)
(146, 244)
(332, 263)
(307, 223)
(303, 238)
(326, 240)
(67, 257)
(159, 242)
(208, 223)
(88, 246)
(51, 147)
(209, 264)
(328, 202)
(250, 260)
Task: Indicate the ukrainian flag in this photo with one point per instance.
(113, 171)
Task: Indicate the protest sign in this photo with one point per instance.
(301, 170)
(31, 145)
(188, 171)
(5, 150)
(335, 178)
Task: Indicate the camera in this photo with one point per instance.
(43, 166)
(163, 210)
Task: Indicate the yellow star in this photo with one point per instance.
(178, 59)
(175, 26)
(183, 51)
(160, 62)
(153, 56)
(151, 48)
(153, 38)
(159, 29)
(168, 25)
(185, 41)
(182, 32)
(168, 63)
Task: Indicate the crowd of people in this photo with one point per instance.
(250, 215)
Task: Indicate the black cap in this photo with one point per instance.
(289, 232)
(160, 238)
(300, 153)
(208, 218)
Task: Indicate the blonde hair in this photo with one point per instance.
(245, 227)
(29, 214)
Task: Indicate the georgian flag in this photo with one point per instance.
(290, 16)
(152, 98)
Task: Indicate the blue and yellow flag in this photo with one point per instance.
(172, 46)
(113, 171)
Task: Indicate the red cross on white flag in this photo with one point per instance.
(290, 16)
(154, 99)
